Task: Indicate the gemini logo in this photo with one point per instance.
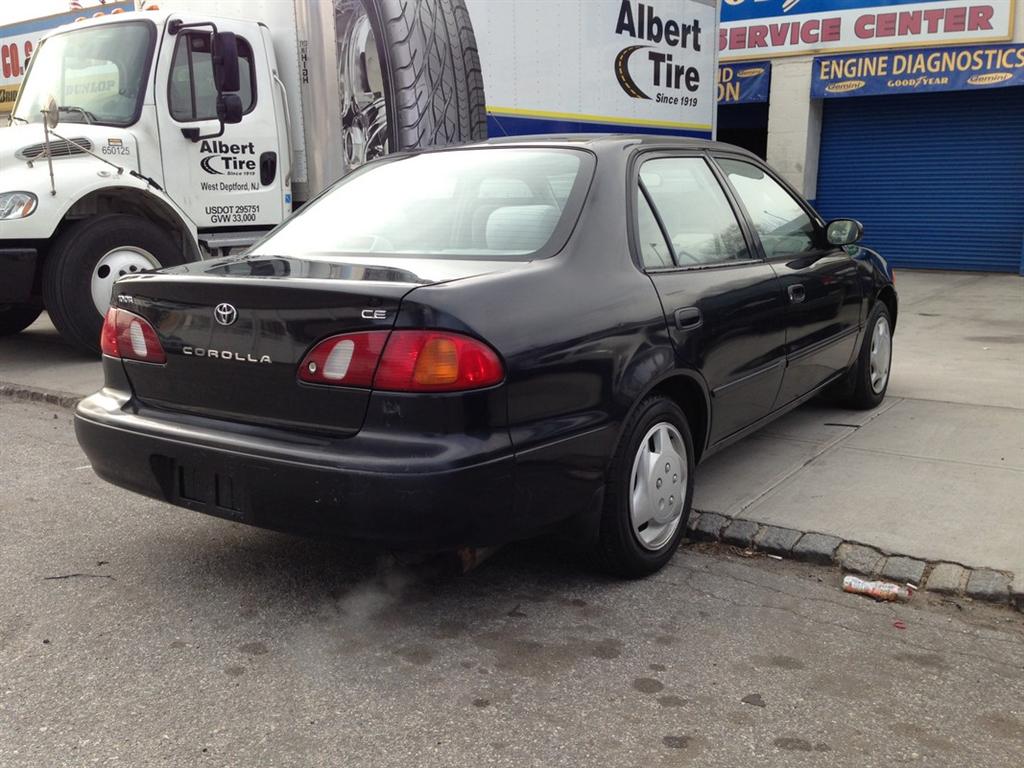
(661, 35)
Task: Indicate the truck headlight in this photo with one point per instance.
(16, 205)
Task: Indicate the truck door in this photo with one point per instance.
(227, 183)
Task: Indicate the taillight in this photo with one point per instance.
(130, 337)
(405, 361)
(348, 360)
(435, 361)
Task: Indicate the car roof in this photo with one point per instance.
(599, 141)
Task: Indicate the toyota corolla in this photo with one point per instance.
(468, 346)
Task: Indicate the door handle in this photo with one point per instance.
(268, 168)
(797, 293)
(688, 318)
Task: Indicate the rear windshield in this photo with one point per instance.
(507, 202)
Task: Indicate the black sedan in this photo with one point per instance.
(467, 346)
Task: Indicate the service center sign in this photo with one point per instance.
(564, 65)
(758, 28)
(18, 40)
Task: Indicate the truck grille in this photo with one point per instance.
(59, 148)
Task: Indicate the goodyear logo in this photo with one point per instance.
(989, 78)
(750, 72)
(845, 86)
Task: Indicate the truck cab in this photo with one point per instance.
(138, 141)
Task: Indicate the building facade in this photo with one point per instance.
(907, 114)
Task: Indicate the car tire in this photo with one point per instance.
(15, 318)
(84, 262)
(432, 82)
(868, 381)
(626, 545)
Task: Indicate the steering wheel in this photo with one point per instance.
(380, 244)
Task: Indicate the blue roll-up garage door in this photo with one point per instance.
(937, 179)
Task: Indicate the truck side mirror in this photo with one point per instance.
(229, 108)
(225, 63)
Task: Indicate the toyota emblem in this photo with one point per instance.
(225, 314)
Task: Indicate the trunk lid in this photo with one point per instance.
(246, 370)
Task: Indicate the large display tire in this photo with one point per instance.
(84, 262)
(430, 74)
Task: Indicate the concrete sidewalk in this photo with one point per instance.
(936, 474)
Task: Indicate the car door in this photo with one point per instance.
(820, 281)
(229, 182)
(724, 306)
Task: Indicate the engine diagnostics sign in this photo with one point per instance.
(758, 28)
(918, 71)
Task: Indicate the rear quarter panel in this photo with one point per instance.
(582, 336)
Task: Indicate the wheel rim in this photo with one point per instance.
(658, 486)
(125, 260)
(364, 118)
(881, 354)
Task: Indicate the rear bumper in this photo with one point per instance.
(17, 274)
(447, 492)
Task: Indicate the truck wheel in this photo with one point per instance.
(15, 318)
(84, 262)
(410, 76)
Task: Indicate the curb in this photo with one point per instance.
(942, 578)
(34, 395)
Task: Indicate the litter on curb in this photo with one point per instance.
(879, 590)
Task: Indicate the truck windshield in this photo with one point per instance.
(493, 202)
(96, 74)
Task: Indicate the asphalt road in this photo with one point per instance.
(135, 634)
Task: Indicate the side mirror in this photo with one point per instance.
(51, 113)
(844, 232)
(229, 108)
(225, 63)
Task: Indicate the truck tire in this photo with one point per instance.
(84, 262)
(430, 71)
(15, 318)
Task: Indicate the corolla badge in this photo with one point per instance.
(225, 314)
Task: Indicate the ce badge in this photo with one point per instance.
(225, 314)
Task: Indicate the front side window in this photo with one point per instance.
(488, 203)
(192, 91)
(97, 75)
(699, 223)
(781, 222)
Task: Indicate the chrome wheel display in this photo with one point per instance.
(364, 117)
(881, 354)
(657, 486)
(115, 263)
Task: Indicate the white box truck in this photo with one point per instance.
(145, 139)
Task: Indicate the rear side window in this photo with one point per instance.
(488, 203)
(192, 93)
(698, 220)
(781, 223)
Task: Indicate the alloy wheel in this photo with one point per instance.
(363, 109)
